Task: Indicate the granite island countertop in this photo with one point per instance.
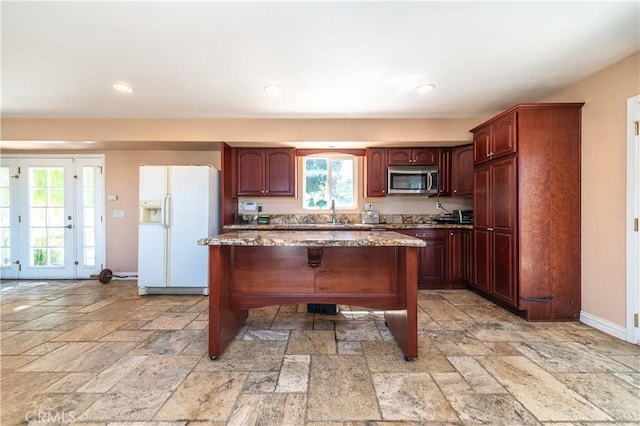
(332, 238)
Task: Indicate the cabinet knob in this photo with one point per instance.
(455, 190)
(489, 229)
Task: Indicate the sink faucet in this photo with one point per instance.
(333, 211)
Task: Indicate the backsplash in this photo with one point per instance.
(340, 218)
(395, 205)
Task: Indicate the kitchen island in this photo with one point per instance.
(373, 269)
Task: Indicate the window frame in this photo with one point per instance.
(331, 157)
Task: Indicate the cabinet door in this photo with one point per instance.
(280, 175)
(400, 156)
(376, 171)
(425, 156)
(462, 170)
(433, 257)
(444, 173)
(456, 264)
(467, 246)
(481, 258)
(481, 144)
(502, 262)
(503, 137)
(481, 200)
(504, 195)
(250, 172)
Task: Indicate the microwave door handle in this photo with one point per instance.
(429, 181)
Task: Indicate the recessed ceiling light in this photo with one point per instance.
(123, 87)
(425, 88)
(272, 89)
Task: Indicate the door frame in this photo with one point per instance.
(633, 213)
(100, 209)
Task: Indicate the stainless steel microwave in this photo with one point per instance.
(412, 180)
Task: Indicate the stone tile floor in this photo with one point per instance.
(81, 352)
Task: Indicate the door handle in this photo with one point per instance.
(166, 213)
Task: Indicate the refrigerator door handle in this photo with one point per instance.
(166, 214)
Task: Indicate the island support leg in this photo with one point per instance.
(403, 323)
(224, 323)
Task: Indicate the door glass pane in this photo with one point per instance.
(5, 217)
(89, 215)
(46, 211)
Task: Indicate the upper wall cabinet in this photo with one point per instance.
(412, 156)
(445, 171)
(462, 171)
(455, 164)
(496, 140)
(265, 172)
(376, 172)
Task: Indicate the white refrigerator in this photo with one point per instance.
(178, 206)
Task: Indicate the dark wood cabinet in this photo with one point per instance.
(462, 171)
(495, 198)
(496, 140)
(444, 172)
(459, 255)
(455, 168)
(432, 259)
(445, 261)
(376, 172)
(265, 172)
(412, 156)
(526, 238)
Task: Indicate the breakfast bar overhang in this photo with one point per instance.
(373, 269)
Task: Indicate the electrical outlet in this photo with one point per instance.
(438, 205)
(118, 213)
(368, 206)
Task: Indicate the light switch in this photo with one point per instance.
(112, 197)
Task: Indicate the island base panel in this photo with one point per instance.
(224, 322)
(374, 277)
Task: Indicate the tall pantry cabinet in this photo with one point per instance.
(526, 237)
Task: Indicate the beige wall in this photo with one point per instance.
(121, 179)
(437, 131)
(604, 141)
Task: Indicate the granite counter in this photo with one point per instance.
(328, 238)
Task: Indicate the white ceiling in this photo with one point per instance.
(333, 59)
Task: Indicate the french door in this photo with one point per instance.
(51, 216)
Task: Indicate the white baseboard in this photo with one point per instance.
(603, 325)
